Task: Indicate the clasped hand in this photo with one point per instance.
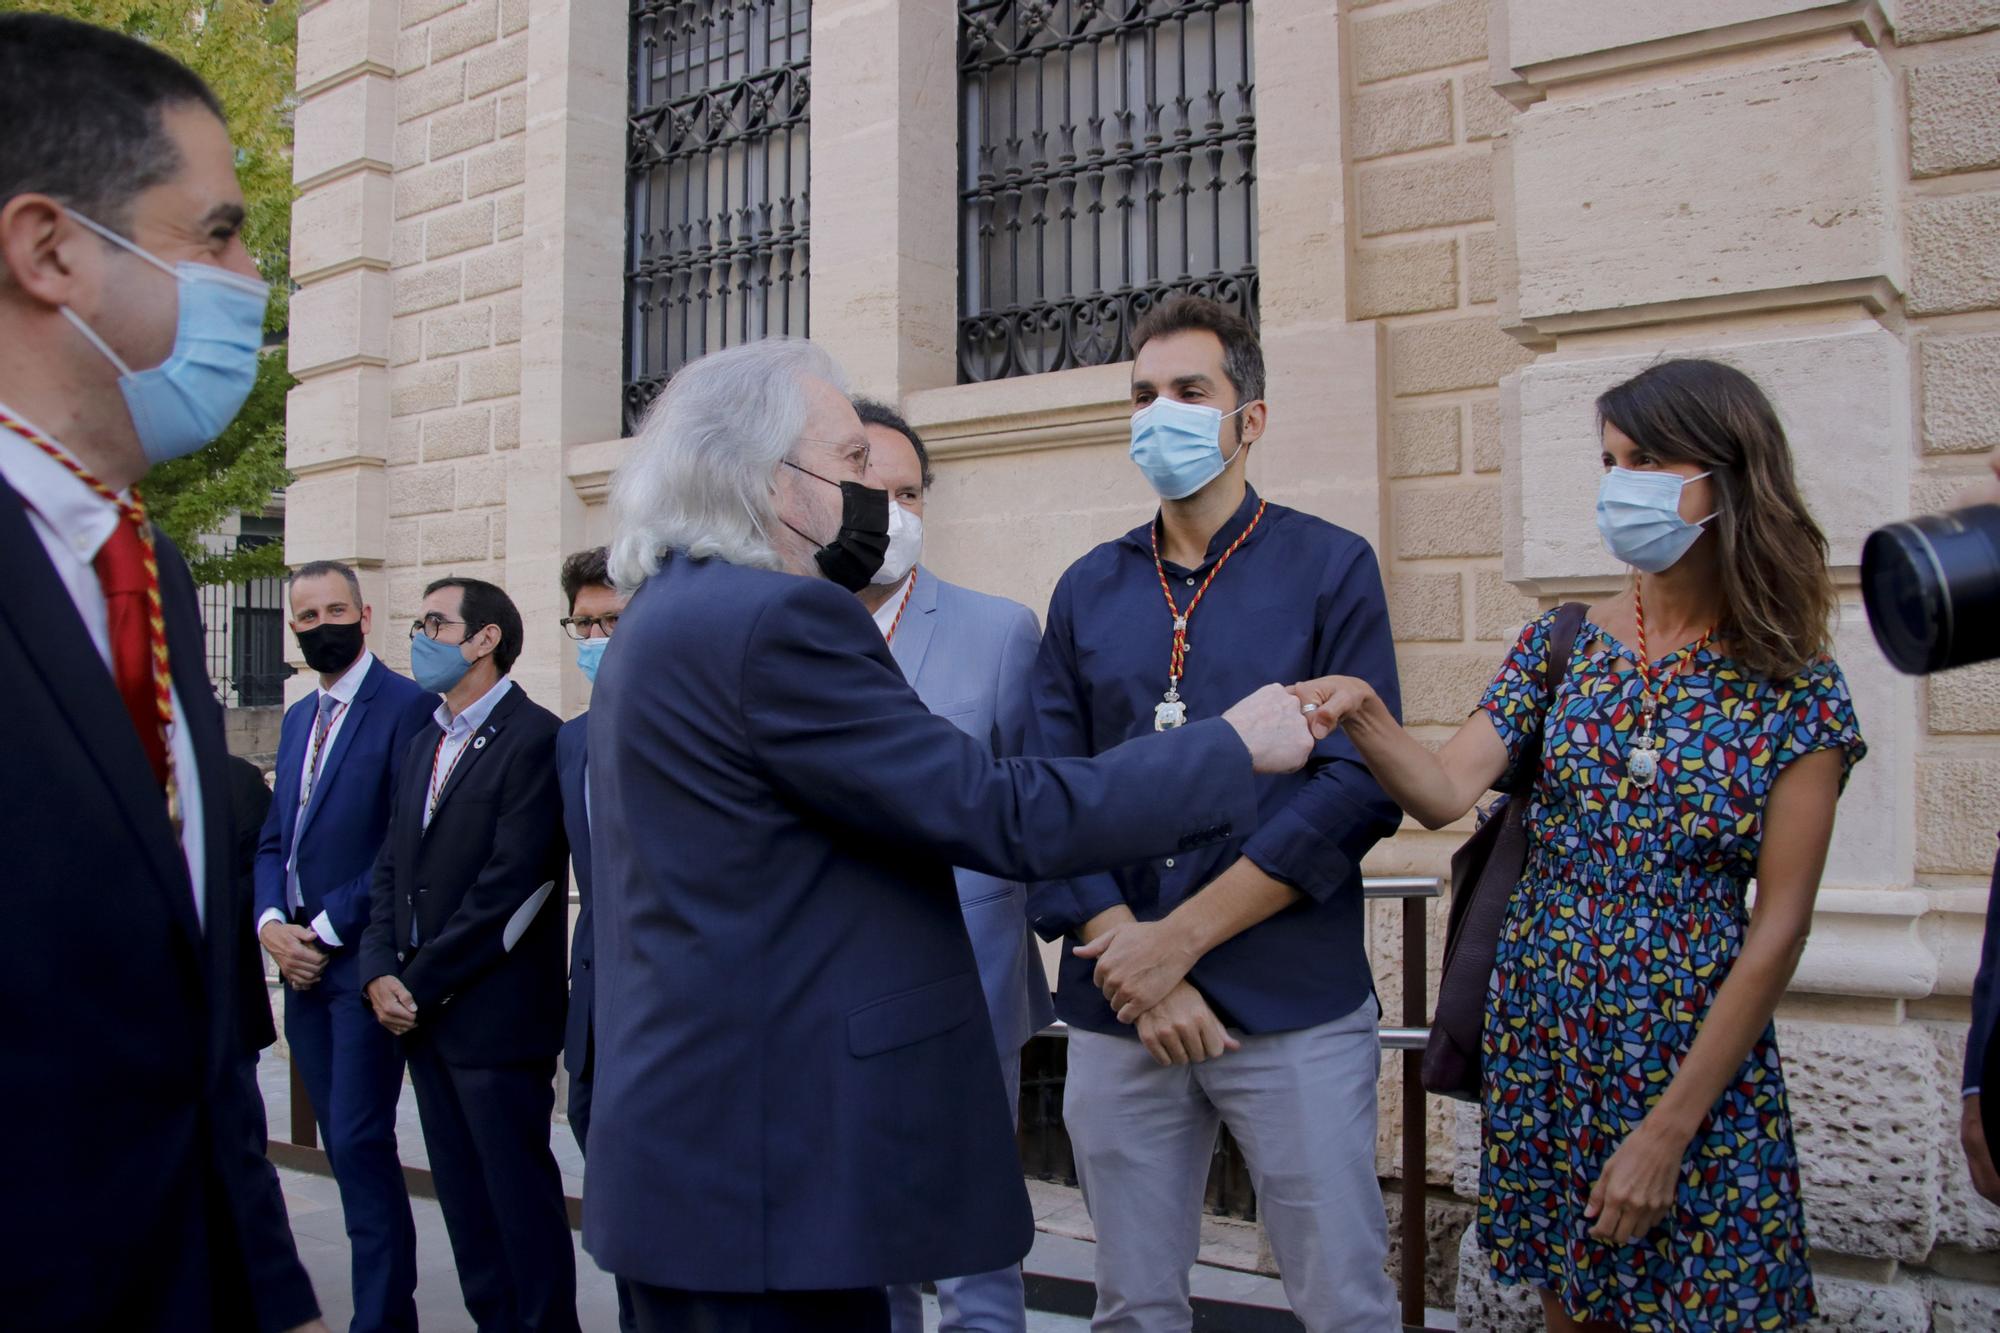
(395, 1008)
(1142, 968)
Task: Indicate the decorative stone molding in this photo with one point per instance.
(1536, 46)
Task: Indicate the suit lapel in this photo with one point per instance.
(329, 764)
(913, 634)
(481, 742)
(45, 620)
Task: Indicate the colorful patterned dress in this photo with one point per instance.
(1626, 921)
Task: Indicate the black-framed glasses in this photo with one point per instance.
(587, 627)
(429, 625)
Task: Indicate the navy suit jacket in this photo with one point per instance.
(796, 1083)
(338, 835)
(570, 757)
(495, 840)
(1982, 1069)
(133, 1203)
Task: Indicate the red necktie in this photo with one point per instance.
(129, 574)
(126, 571)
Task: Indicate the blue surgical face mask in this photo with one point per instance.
(437, 666)
(190, 398)
(589, 654)
(1639, 517)
(1178, 446)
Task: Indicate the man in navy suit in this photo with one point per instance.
(463, 956)
(594, 607)
(130, 320)
(798, 1097)
(1979, 1121)
(338, 755)
(968, 657)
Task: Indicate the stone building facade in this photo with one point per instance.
(1471, 216)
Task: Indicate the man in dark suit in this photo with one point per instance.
(594, 608)
(134, 1200)
(798, 1098)
(463, 956)
(338, 755)
(1979, 1120)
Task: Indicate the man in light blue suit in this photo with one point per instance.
(968, 656)
(338, 755)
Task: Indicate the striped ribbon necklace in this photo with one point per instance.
(1171, 711)
(131, 511)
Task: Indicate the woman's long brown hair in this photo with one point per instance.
(1778, 598)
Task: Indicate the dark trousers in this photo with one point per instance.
(667, 1310)
(353, 1074)
(487, 1131)
(579, 1125)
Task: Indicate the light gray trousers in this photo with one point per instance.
(1302, 1106)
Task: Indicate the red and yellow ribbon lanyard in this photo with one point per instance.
(1171, 711)
(132, 511)
(901, 607)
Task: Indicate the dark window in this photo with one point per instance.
(716, 173)
(245, 628)
(1107, 159)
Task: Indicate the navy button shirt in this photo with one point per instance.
(1301, 598)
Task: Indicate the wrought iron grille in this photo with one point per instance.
(1107, 159)
(245, 629)
(716, 224)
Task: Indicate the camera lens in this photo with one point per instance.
(1932, 587)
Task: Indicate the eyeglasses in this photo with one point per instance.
(587, 627)
(430, 625)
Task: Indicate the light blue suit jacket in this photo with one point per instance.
(968, 656)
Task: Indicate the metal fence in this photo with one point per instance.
(245, 628)
(1107, 159)
(716, 183)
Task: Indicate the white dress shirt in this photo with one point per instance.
(74, 522)
(458, 733)
(343, 692)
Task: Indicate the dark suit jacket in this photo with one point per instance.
(796, 1082)
(496, 838)
(570, 756)
(249, 803)
(122, 1104)
(339, 834)
(1982, 1053)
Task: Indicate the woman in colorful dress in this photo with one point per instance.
(1638, 1165)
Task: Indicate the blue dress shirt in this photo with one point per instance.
(1301, 598)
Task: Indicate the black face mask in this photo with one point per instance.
(331, 648)
(852, 558)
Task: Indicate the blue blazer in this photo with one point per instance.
(570, 756)
(783, 975)
(968, 656)
(125, 1087)
(340, 833)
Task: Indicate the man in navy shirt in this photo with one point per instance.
(1228, 985)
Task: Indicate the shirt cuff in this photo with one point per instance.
(270, 914)
(1968, 1092)
(323, 927)
(1292, 851)
(1059, 907)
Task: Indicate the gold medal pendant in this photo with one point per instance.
(1643, 760)
(1170, 712)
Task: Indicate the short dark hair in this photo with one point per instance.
(313, 569)
(82, 106)
(873, 413)
(1242, 355)
(484, 604)
(585, 569)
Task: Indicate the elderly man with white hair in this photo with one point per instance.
(798, 1099)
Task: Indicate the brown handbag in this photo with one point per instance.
(1484, 872)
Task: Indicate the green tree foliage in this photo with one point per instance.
(247, 52)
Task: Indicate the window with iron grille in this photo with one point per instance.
(1107, 159)
(715, 182)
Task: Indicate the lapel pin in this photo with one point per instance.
(479, 744)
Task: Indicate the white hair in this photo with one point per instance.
(699, 476)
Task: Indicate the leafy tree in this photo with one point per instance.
(247, 52)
